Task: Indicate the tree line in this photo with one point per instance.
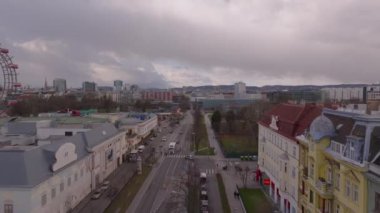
(241, 121)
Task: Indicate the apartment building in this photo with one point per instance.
(138, 126)
(157, 95)
(56, 176)
(339, 162)
(279, 151)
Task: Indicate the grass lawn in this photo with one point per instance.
(255, 201)
(125, 197)
(204, 145)
(223, 195)
(238, 144)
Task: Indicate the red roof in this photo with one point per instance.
(293, 119)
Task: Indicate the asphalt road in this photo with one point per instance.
(207, 165)
(166, 185)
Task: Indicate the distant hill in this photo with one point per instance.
(266, 88)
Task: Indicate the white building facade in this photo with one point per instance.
(54, 178)
(278, 152)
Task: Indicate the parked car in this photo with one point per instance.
(189, 157)
(203, 177)
(97, 194)
(105, 185)
(204, 203)
(204, 186)
(204, 195)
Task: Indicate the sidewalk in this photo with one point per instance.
(230, 180)
(117, 181)
(148, 181)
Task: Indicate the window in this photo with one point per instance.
(285, 167)
(348, 188)
(62, 187)
(329, 175)
(294, 172)
(337, 209)
(43, 200)
(355, 192)
(311, 196)
(337, 181)
(377, 202)
(311, 172)
(68, 133)
(294, 151)
(69, 181)
(53, 192)
(75, 177)
(8, 208)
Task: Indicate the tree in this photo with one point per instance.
(230, 119)
(197, 128)
(244, 176)
(216, 119)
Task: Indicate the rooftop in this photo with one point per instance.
(28, 166)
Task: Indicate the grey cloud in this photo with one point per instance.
(276, 39)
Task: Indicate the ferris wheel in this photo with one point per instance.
(8, 84)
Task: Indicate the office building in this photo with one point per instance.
(59, 85)
(88, 86)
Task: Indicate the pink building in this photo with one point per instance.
(158, 95)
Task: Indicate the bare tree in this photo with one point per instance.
(244, 176)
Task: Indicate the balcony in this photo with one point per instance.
(325, 189)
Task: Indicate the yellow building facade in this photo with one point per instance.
(334, 155)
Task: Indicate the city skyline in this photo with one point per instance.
(194, 42)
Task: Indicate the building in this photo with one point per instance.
(88, 86)
(338, 94)
(138, 126)
(240, 91)
(56, 176)
(157, 95)
(59, 85)
(118, 85)
(339, 162)
(373, 93)
(278, 152)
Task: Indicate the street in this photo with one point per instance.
(163, 191)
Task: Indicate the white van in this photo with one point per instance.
(171, 147)
(141, 148)
(203, 177)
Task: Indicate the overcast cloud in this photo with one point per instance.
(165, 43)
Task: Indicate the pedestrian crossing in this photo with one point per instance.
(208, 171)
(176, 156)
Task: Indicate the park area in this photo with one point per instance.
(255, 201)
(235, 146)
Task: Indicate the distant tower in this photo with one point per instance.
(118, 85)
(240, 90)
(46, 84)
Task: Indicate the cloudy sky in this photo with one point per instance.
(166, 43)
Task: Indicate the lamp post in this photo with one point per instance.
(193, 136)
